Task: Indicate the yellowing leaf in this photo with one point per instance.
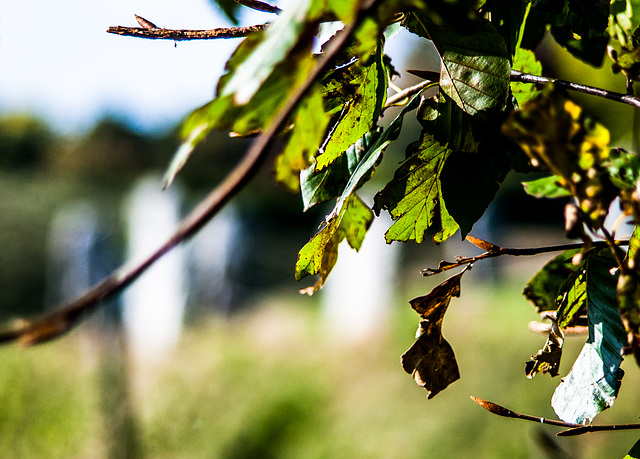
(526, 62)
(558, 137)
(308, 132)
(320, 254)
(359, 92)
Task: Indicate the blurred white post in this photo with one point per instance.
(358, 295)
(154, 304)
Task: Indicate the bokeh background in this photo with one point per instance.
(215, 353)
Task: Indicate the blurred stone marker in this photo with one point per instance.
(359, 293)
(154, 304)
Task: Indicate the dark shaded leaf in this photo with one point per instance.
(558, 137)
(545, 290)
(475, 63)
(430, 359)
(507, 17)
(634, 453)
(594, 380)
(547, 360)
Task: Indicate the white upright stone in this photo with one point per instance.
(154, 304)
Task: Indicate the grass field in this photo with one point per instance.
(270, 383)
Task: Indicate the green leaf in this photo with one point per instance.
(309, 128)
(634, 453)
(359, 92)
(414, 197)
(623, 168)
(594, 380)
(229, 8)
(320, 254)
(525, 61)
(476, 65)
(321, 186)
(507, 17)
(278, 41)
(546, 187)
(558, 137)
(629, 289)
(430, 359)
(547, 287)
(354, 167)
(245, 109)
(579, 26)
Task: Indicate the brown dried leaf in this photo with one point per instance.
(431, 360)
(484, 245)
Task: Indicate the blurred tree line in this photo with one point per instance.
(40, 171)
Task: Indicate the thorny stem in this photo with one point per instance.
(60, 320)
(573, 429)
(516, 252)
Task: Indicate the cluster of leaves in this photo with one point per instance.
(477, 128)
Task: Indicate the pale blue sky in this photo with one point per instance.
(58, 62)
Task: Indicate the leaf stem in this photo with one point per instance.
(60, 320)
(615, 96)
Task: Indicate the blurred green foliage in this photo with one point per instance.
(273, 384)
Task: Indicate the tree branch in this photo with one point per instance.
(185, 34)
(573, 429)
(497, 251)
(63, 318)
(615, 96)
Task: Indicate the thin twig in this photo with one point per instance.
(615, 96)
(259, 6)
(573, 429)
(515, 252)
(186, 34)
(407, 93)
(57, 322)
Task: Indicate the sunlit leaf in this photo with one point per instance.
(320, 254)
(593, 383)
(365, 88)
(475, 63)
(546, 187)
(629, 291)
(414, 197)
(279, 39)
(526, 62)
(245, 109)
(354, 167)
(430, 359)
(309, 128)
